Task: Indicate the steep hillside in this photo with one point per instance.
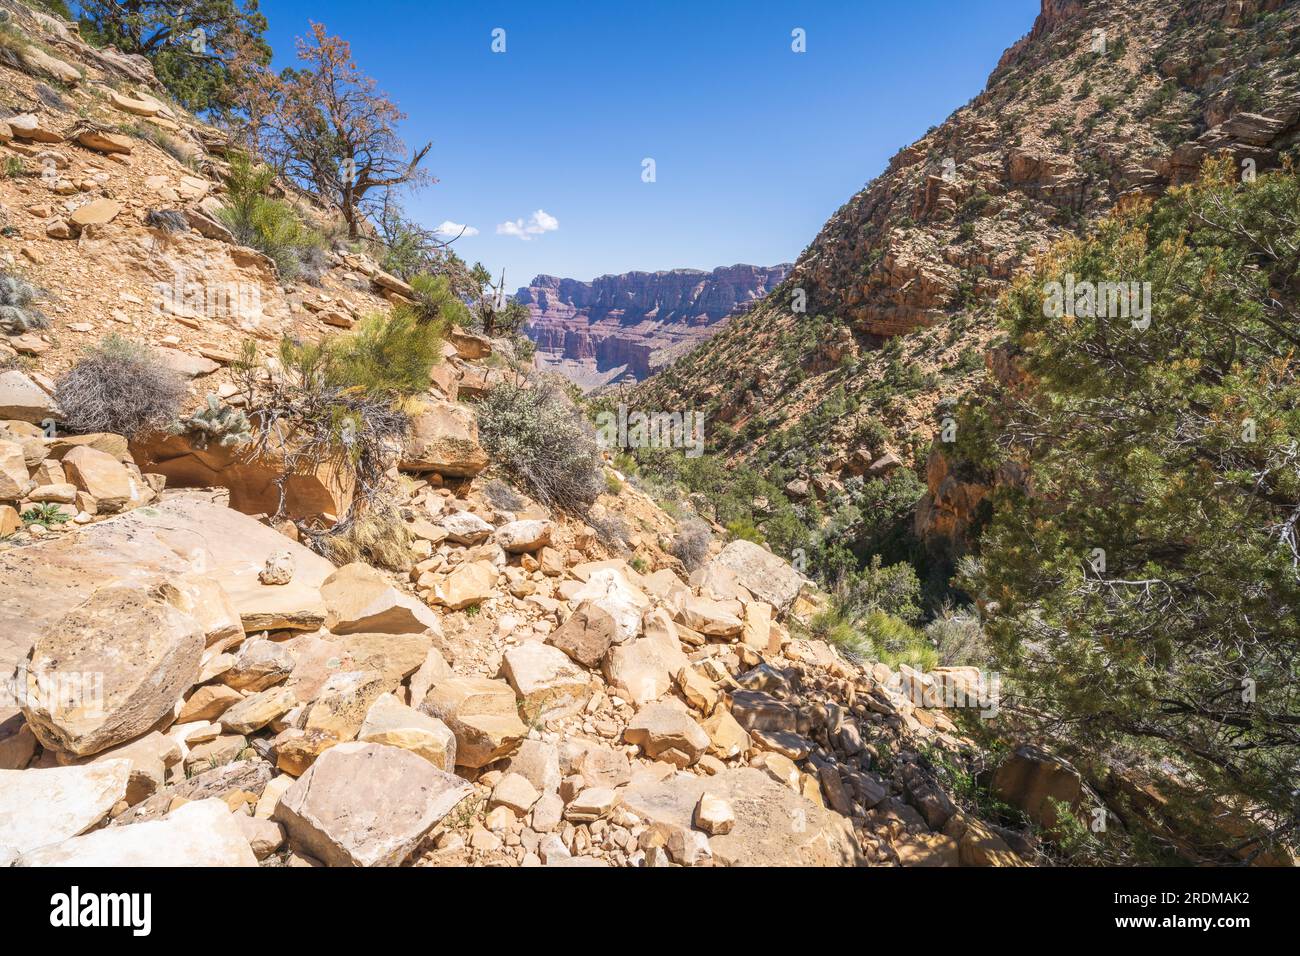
(1101, 100)
(624, 328)
(188, 677)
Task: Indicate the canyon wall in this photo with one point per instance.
(626, 327)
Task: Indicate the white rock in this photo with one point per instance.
(201, 833)
(42, 806)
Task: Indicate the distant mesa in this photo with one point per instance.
(624, 328)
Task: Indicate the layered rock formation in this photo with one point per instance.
(626, 327)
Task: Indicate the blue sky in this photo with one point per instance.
(755, 146)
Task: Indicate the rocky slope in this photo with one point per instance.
(624, 328)
(1101, 101)
(184, 683)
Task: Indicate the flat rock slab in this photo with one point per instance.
(774, 826)
(202, 833)
(49, 805)
(319, 656)
(365, 804)
(110, 669)
(186, 532)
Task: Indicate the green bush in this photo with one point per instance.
(436, 302)
(894, 642)
(836, 628)
(893, 589)
(45, 514)
(958, 638)
(1168, 452)
(269, 225)
(384, 355)
(343, 400)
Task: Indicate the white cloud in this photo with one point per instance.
(538, 223)
(453, 229)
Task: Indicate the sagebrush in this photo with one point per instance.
(543, 443)
(120, 386)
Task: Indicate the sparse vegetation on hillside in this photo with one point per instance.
(326, 126)
(189, 44)
(1145, 589)
(341, 400)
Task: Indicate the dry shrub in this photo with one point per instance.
(122, 387)
(378, 536)
(544, 444)
(691, 543)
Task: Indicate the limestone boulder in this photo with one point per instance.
(254, 712)
(317, 657)
(760, 711)
(514, 792)
(102, 477)
(258, 665)
(773, 825)
(39, 61)
(667, 732)
(23, 400)
(538, 762)
(467, 584)
(712, 618)
(483, 715)
(150, 757)
(202, 833)
(465, 527)
(110, 669)
(316, 491)
(28, 126)
(611, 591)
(208, 703)
(134, 106)
(103, 141)
(42, 806)
(548, 683)
(444, 439)
(365, 804)
(586, 634)
(186, 534)
(757, 631)
(766, 576)
(643, 669)
(340, 709)
(519, 537)
(97, 212)
(359, 599)
(392, 723)
(727, 738)
(468, 345)
(264, 836)
(1030, 779)
(14, 481)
